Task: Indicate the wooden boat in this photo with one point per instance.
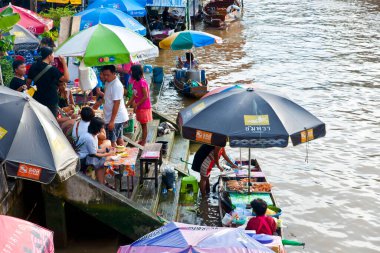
(228, 197)
(220, 13)
(188, 86)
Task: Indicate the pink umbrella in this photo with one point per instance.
(227, 88)
(31, 20)
(185, 238)
(19, 236)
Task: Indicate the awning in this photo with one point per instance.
(167, 3)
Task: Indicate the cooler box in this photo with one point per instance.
(158, 75)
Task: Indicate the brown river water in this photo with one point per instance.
(325, 55)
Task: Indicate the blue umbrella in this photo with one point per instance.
(184, 238)
(131, 7)
(91, 17)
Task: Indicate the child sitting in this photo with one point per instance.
(261, 223)
(89, 151)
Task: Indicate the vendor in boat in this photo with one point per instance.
(190, 63)
(262, 224)
(204, 160)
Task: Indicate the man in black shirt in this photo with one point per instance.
(46, 78)
(18, 81)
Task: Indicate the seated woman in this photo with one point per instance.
(190, 63)
(66, 100)
(89, 151)
(261, 223)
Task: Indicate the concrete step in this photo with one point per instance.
(112, 208)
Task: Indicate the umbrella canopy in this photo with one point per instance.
(180, 238)
(252, 118)
(189, 39)
(31, 20)
(32, 144)
(22, 236)
(226, 88)
(24, 40)
(91, 17)
(107, 44)
(131, 7)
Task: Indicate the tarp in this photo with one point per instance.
(167, 3)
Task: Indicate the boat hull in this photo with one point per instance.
(194, 92)
(220, 14)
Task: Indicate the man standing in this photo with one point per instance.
(115, 112)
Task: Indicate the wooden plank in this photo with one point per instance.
(152, 131)
(168, 204)
(164, 118)
(180, 151)
(147, 195)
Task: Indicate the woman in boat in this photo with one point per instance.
(190, 63)
(204, 160)
(261, 224)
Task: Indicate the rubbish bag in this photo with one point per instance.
(168, 176)
(87, 77)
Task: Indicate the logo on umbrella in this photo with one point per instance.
(203, 136)
(3, 132)
(256, 120)
(29, 171)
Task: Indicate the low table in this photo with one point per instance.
(152, 154)
(125, 166)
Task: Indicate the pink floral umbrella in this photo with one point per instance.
(20, 236)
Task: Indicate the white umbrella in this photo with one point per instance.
(108, 44)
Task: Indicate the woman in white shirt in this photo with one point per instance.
(89, 151)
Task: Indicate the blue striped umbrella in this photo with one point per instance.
(131, 7)
(91, 17)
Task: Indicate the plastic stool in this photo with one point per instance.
(189, 181)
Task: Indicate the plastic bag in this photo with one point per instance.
(87, 77)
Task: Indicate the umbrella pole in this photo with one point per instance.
(249, 171)
(241, 162)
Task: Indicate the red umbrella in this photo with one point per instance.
(31, 20)
(19, 236)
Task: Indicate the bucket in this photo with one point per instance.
(148, 68)
(164, 147)
(227, 219)
(130, 128)
(158, 75)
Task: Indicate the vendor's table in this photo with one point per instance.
(151, 154)
(124, 166)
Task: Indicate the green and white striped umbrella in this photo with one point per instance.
(108, 44)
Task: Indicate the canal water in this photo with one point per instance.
(325, 55)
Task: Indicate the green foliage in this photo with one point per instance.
(8, 19)
(56, 13)
(6, 69)
(6, 43)
(51, 34)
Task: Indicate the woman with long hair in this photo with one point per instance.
(141, 100)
